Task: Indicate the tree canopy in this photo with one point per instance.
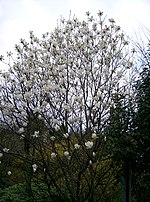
(65, 98)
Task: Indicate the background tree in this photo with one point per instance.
(121, 129)
(142, 134)
(57, 96)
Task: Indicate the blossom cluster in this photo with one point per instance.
(57, 94)
(69, 71)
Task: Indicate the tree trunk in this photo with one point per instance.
(123, 183)
(27, 168)
(128, 180)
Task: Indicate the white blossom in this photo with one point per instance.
(37, 109)
(39, 117)
(22, 136)
(69, 157)
(9, 172)
(111, 20)
(89, 144)
(105, 139)
(94, 136)
(21, 130)
(52, 138)
(1, 154)
(24, 114)
(90, 162)
(66, 135)
(94, 154)
(76, 146)
(53, 155)
(57, 127)
(66, 153)
(100, 13)
(36, 134)
(34, 166)
(27, 95)
(5, 150)
(25, 124)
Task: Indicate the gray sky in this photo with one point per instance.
(17, 17)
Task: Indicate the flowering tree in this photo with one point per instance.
(56, 97)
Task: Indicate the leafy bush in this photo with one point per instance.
(17, 193)
(13, 193)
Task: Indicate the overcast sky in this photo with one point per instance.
(17, 17)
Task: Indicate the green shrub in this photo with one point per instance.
(17, 193)
(14, 193)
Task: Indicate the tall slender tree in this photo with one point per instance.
(142, 134)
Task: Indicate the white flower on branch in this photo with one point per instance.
(24, 114)
(57, 127)
(66, 153)
(67, 107)
(66, 135)
(52, 138)
(34, 167)
(1, 57)
(37, 109)
(1, 154)
(36, 134)
(90, 162)
(6, 150)
(22, 136)
(94, 136)
(89, 144)
(27, 95)
(25, 124)
(76, 146)
(53, 155)
(100, 13)
(111, 20)
(9, 172)
(94, 154)
(40, 117)
(9, 54)
(69, 158)
(21, 130)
